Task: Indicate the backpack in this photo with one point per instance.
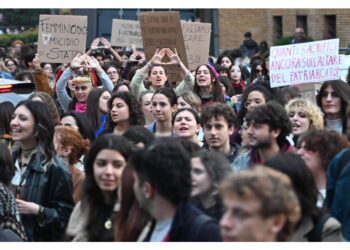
(198, 223)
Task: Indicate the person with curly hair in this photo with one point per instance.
(303, 115)
(317, 148)
(124, 111)
(267, 128)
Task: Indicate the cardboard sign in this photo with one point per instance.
(126, 33)
(61, 37)
(197, 40)
(306, 62)
(162, 29)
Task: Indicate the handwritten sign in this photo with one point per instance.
(305, 62)
(126, 33)
(197, 40)
(162, 29)
(61, 37)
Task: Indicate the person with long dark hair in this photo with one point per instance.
(92, 218)
(6, 109)
(305, 188)
(43, 184)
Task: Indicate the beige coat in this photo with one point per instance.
(331, 230)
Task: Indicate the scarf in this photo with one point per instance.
(80, 107)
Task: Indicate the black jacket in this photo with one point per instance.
(180, 228)
(52, 189)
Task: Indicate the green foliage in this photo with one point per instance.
(29, 36)
(22, 17)
(287, 40)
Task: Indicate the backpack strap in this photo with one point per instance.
(197, 224)
(316, 234)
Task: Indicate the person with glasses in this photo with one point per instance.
(113, 72)
(256, 71)
(83, 83)
(333, 100)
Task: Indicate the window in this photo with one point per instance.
(330, 29)
(277, 28)
(302, 23)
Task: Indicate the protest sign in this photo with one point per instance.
(126, 33)
(61, 37)
(197, 40)
(162, 29)
(305, 62)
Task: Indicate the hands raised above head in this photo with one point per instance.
(84, 61)
(159, 54)
(95, 43)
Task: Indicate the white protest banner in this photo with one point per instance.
(61, 37)
(306, 62)
(197, 41)
(126, 33)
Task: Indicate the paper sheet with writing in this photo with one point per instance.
(61, 37)
(306, 62)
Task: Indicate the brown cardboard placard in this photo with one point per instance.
(61, 37)
(126, 33)
(197, 41)
(162, 29)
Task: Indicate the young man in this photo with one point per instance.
(249, 47)
(267, 128)
(260, 206)
(218, 122)
(162, 186)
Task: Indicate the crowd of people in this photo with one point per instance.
(108, 149)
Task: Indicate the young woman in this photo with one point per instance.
(47, 99)
(43, 184)
(303, 115)
(305, 188)
(225, 60)
(163, 107)
(317, 148)
(70, 146)
(113, 72)
(12, 65)
(333, 100)
(237, 81)
(208, 170)
(189, 100)
(92, 218)
(10, 220)
(124, 111)
(145, 101)
(186, 123)
(207, 86)
(157, 75)
(82, 84)
(97, 109)
(79, 122)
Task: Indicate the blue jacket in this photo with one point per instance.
(337, 190)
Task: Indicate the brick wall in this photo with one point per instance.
(233, 23)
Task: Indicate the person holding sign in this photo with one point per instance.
(157, 75)
(83, 84)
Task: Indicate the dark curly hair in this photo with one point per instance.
(7, 167)
(216, 110)
(327, 143)
(166, 165)
(274, 115)
(135, 112)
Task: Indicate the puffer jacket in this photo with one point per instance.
(48, 184)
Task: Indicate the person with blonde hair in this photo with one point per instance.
(303, 115)
(70, 146)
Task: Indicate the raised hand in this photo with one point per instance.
(157, 57)
(174, 57)
(91, 62)
(94, 44)
(106, 43)
(36, 62)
